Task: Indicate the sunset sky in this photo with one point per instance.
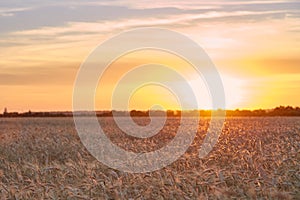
(255, 45)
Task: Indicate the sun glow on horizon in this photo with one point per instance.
(233, 89)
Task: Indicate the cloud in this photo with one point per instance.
(55, 13)
(53, 30)
(61, 15)
(46, 75)
(10, 12)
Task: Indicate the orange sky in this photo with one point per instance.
(255, 46)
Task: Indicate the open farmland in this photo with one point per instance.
(255, 158)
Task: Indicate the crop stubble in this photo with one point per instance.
(258, 157)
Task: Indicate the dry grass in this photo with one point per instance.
(255, 158)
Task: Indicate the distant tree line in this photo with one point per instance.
(35, 114)
(278, 111)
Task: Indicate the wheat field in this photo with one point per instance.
(255, 158)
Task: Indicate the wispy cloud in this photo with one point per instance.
(59, 14)
(10, 12)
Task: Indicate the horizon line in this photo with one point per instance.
(143, 110)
